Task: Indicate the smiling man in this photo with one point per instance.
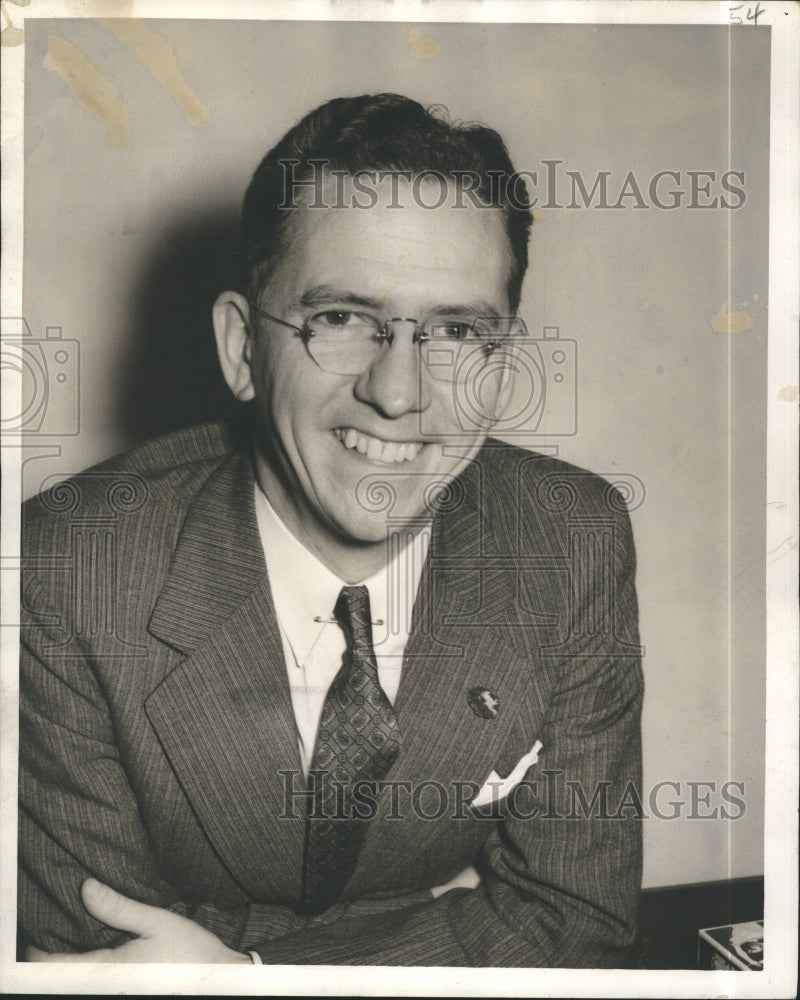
(366, 688)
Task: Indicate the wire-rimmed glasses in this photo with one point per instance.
(348, 342)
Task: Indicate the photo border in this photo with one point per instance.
(780, 917)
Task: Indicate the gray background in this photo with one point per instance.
(125, 250)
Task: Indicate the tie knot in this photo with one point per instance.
(352, 611)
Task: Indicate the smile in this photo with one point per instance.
(377, 450)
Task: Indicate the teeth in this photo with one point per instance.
(376, 450)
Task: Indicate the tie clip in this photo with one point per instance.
(329, 620)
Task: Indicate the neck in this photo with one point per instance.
(351, 562)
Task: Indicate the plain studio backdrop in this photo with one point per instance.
(140, 140)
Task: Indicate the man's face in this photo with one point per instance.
(325, 438)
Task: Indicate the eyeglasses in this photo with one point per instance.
(347, 342)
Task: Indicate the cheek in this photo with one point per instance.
(466, 408)
(285, 394)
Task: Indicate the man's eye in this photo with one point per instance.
(336, 317)
(454, 329)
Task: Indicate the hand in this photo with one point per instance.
(162, 936)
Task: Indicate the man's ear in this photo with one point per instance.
(231, 315)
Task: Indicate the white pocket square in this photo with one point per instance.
(496, 788)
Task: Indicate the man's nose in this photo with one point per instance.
(396, 383)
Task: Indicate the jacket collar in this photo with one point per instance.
(218, 561)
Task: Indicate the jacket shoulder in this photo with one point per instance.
(161, 475)
(544, 481)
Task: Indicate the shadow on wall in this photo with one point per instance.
(169, 375)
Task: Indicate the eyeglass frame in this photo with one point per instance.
(384, 332)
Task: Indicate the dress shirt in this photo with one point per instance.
(304, 592)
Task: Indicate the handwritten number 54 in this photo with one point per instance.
(751, 14)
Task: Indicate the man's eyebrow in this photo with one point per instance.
(324, 295)
(479, 308)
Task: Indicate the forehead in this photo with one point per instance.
(403, 253)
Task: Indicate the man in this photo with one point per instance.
(364, 686)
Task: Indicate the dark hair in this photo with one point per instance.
(372, 133)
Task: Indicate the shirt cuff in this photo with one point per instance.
(255, 958)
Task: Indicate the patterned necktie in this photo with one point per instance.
(357, 741)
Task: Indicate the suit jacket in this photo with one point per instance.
(158, 748)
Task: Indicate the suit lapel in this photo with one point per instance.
(467, 627)
(464, 636)
(224, 715)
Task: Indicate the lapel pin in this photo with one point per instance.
(483, 703)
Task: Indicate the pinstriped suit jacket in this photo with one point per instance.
(159, 750)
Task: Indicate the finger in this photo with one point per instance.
(116, 910)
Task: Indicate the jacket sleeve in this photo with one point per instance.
(561, 871)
